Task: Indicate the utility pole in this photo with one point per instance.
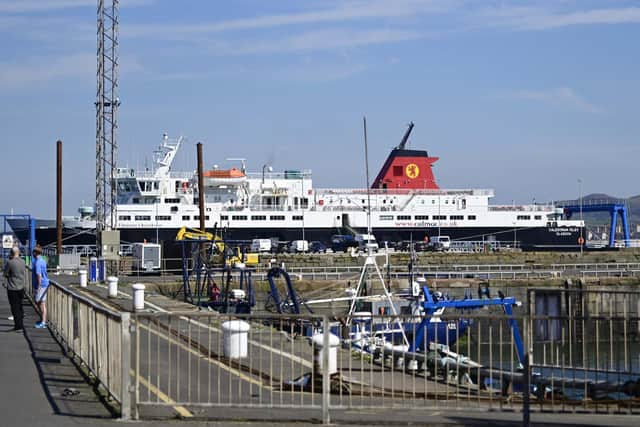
(107, 103)
(581, 219)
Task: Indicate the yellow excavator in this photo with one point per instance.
(221, 251)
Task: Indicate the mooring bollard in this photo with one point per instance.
(112, 282)
(83, 278)
(138, 296)
(235, 342)
(318, 351)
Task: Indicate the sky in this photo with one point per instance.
(536, 100)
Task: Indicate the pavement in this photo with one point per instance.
(40, 385)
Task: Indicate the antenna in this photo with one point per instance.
(371, 259)
(366, 161)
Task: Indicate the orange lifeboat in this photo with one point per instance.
(218, 177)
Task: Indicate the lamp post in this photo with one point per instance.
(263, 168)
(581, 219)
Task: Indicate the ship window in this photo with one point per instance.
(258, 217)
(304, 202)
(186, 217)
(124, 218)
(524, 217)
(197, 217)
(439, 217)
(136, 201)
(174, 209)
(163, 217)
(403, 217)
(196, 200)
(171, 200)
(208, 209)
(446, 201)
(143, 218)
(456, 217)
(386, 217)
(422, 217)
(239, 217)
(296, 217)
(538, 217)
(224, 217)
(156, 185)
(471, 217)
(276, 217)
(433, 201)
(397, 171)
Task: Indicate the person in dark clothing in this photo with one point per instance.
(15, 275)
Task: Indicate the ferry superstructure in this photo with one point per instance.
(405, 203)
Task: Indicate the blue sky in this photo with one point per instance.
(523, 97)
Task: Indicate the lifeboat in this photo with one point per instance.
(218, 177)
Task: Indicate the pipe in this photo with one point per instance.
(201, 187)
(59, 197)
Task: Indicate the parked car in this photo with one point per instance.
(317, 246)
(440, 243)
(342, 242)
(366, 242)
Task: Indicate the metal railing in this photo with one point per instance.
(582, 350)
(97, 337)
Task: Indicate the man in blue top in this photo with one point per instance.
(40, 285)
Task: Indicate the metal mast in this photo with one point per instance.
(107, 103)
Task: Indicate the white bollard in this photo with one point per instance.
(138, 296)
(234, 335)
(112, 282)
(318, 353)
(83, 278)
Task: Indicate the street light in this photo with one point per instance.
(263, 168)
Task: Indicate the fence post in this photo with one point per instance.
(125, 366)
(326, 395)
(526, 392)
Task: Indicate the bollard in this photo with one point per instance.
(234, 334)
(93, 269)
(112, 282)
(83, 278)
(334, 343)
(138, 296)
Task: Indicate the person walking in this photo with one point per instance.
(15, 275)
(40, 285)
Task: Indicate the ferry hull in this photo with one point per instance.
(528, 239)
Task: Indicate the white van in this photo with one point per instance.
(440, 243)
(298, 246)
(260, 245)
(366, 241)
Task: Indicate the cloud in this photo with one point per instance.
(320, 40)
(30, 6)
(16, 76)
(342, 12)
(536, 18)
(562, 96)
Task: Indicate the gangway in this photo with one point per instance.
(614, 208)
(9, 236)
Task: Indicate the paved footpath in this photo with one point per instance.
(41, 387)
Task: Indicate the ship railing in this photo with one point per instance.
(399, 191)
(522, 208)
(152, 174)
(567, 351)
